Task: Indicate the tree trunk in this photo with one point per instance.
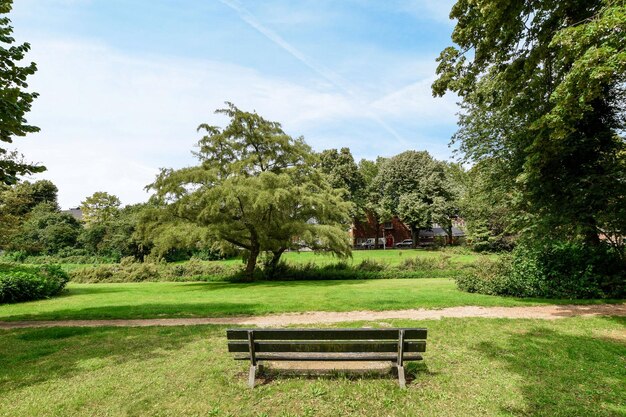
(415, 236)
(591, 232)
(377, 234)
(449, 232)
(251, 264)
(273, 263)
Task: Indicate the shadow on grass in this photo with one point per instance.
(212, 286)
(563, 374)
(34, 356)
(139, 311)
(413, 371)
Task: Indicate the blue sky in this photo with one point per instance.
(124, 83)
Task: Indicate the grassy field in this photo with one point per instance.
(168, 299)
(473, 367)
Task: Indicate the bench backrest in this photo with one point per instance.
(253, 341)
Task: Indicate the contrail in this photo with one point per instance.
(329, 75)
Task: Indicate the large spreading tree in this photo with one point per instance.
(15, 100)
(542, 84)
(256, 188)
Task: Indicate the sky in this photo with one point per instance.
(124, 84)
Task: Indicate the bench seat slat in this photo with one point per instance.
(328, 357)
(327, 346)
(326, 334)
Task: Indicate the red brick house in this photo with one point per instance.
(395, 231)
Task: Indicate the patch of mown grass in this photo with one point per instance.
(472, 367)
(214, 299)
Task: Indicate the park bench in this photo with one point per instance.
(396, 345)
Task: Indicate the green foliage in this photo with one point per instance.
(46, 231)
(550, 270)
(256, 188)
(21, 283)
(414, 187)
(15, 101)
(17, 201)
(343, 173)
(543, 86)
(488, 206)
(99, 208)
(130, 271)
(114, 236)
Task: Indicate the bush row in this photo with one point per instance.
(25, 283)
(550, 270)
(129, 271)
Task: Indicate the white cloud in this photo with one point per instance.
(109, 120)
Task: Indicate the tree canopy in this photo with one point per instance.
(542, 84)
(15, 101)
(256, 188)
(100, 207)
(412, 186)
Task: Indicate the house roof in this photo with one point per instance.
(440, 232)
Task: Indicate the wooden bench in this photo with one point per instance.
(396, 345)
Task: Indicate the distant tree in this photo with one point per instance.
(488, 204)
(256, 188)
(99, 208)
(15, 101)
(344, 173)
(46, 231)
(116, 237)
(411, 185)
(447, 207)
(372, 195)
(17, 201)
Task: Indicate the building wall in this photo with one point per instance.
(394, 230)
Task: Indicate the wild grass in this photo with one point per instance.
(370, 264)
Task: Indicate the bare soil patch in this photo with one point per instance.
(547, 312)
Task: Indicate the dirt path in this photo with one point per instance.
(548, 312)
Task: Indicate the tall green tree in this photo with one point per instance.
(542, 84)
(99, 208)
(488, 204)
(17, 201)
(256, 188)
(412, 186)
(46, 231)
(15, 100)
(344, 173)
(372, 196)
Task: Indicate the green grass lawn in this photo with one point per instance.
(168, 299)
(472, 367)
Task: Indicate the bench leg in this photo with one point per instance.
(251, 376)
(260, 368)
(401, 379)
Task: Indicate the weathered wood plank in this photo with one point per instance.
(326, 346)
(329, 357)
(401, 378)
(327, 334)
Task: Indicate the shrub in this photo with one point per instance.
(130, 271)
(20, 283)
(551, 270)
(418, 263)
